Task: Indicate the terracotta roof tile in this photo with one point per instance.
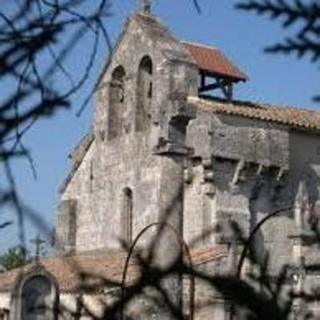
(292, 117)
(205, 255)
(214, 61)
(92, 271)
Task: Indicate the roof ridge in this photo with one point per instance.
(201, 45)
(253, 104)
(295, 118)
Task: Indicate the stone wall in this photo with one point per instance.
(222, 168)
(134, 157)
(241, 169)
(244, 169)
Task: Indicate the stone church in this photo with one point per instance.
(173, 154)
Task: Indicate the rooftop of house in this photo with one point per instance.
(213, 61)
(93, 271)
(296, 118)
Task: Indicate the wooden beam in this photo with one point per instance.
(215, 85)
(209, 87)
(225, 85)
(203, 80)
(230, 91)
(227, 89)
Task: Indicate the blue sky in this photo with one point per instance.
(242, 36)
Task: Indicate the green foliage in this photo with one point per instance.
(15, 257)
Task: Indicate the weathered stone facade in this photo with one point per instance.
(173, 153)
(131, 158)
(160, 152)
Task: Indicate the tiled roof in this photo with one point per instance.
(92, 271)
(292, 117)
(214, 61)
(201, 256)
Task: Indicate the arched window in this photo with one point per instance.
(126, 219)
(36, 299)
(144, 94)
(116, 103)
(35, 294)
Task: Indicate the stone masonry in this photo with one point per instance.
(182, 161)
(160, 152)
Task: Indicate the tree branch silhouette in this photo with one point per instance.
(32, 32)
(301, 17)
